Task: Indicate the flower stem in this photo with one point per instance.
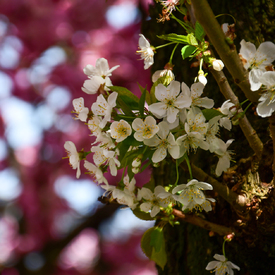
(172, 54)
(223, 248)
(164, 45)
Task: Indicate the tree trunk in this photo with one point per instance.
(189, 248)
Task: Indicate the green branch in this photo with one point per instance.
(228, 54)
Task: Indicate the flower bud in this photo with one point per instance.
(202, 79)
(135, 170)
(136, 163)
(217, 65)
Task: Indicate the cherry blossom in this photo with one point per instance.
(104, 156)
(222, 266)
(194, 95)
(228, 109)
(95, 172)
(267, 100)
(171, 101)
(152, 200)
(80, 109)
(224, 156)
(120, 130)
(99, 75)
(191, 193)
(73, 156)
(257, 60)
(144, 129)
(164, 140)
(104, 108)
(146, 51)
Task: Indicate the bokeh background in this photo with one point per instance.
(51, 223)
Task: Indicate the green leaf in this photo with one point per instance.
(158, 256)
(127, 96)
(156, 238)
(174, 38)
(187, 50)
(142, 215)
(210, 113)
(191, 40)
(123, 148)
(147, 96)
(142, 102)
(199, 31)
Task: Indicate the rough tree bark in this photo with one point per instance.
(189, 247)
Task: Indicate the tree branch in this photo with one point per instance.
(219, 229)
(272, 131)
(229, 56)
(250, 134)
(237, 201)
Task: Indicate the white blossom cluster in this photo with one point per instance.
(168, 123)
(173, 126)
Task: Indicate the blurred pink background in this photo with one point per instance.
(51, 223)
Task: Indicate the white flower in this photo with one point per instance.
(195, 129)
(95, 172)
(146, 51)
(217, 65)
(73, 156)
(196, 121)
(153, 201)
(267, 101)
(80, 109)
(104, 156)
(144, 129)
(222, 266)
(228, 109)
(99, 75)
(104, 108)
(170, 101)
(224, 156)
(93, 125)
(195, 93)
(256, 60)
(164, 140)
(191, 193)
(120, 130)
(211, 135)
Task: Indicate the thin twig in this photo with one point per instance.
(229, 56)
(250, 134)
(219, 229)
(272, 132)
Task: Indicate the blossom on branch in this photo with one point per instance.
(164, 140)
(224, 156)
(104, 108)
(80, 109)
(222, 266)
(267, 101)
(99, 76)
(120, 130)
(191, 194)
(144, 129)
(171, 101)
(256, 60)
(73, 157)
(146, 51)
